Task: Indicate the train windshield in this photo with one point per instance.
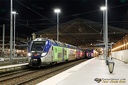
(90, 50)
(38, 46)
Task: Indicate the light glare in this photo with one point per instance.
(103, 8)
(57, 10)
(14, 12)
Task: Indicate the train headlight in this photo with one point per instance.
(29, 54)
(43, 54)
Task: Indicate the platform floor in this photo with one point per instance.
(91, 72)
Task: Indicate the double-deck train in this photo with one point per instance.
(43, 51)
(89, 53)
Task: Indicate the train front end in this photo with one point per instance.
(37, 50)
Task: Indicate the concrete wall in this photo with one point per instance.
(121, 55)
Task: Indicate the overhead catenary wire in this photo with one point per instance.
(63, 17)
(34, 11)
(66, 16)
(22, 24)
(94, 11)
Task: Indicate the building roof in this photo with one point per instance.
(81, 32)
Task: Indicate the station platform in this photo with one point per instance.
(91, 72)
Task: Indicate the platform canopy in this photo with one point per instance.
(81, 32)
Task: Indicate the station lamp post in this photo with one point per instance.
(103, 8)
(3, 36)
(106, 31)
(109, 62)
(57, 11)
(14, 13)
(11, 29)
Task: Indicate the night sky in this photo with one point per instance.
(36, 15)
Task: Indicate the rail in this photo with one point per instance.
(13, 66)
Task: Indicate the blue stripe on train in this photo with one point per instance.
(47, 46)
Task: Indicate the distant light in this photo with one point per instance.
(57, 10)
(14, 12)
(103, 8)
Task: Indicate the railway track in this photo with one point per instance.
(33, 77)
(6, 74)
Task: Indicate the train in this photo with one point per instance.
(43, 51)
(89, 53)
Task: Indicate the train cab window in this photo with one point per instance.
(38, 45)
